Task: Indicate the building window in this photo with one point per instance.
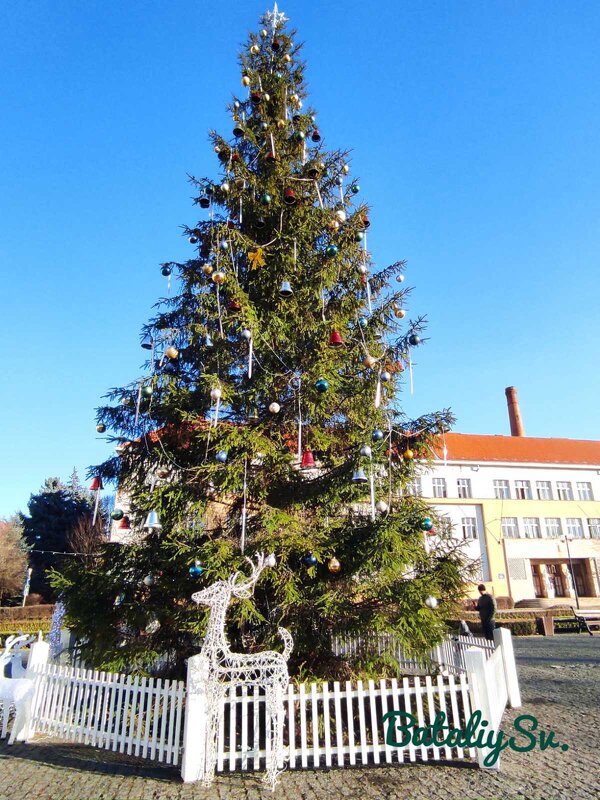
(552, 527)
(463, 486)
(544, 490)
(523, 490)
(510, 527)
(574, 528)
(584, 491)
(439, 487)
(469, 527)
(414, 487)
(594, 527)
(564, 490)
(531, 528)
(502, 490)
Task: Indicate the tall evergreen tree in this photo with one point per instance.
(269, 418)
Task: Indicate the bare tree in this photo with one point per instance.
(85, 537)
(13, 558)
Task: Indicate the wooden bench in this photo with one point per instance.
(579, 623)
(590, 617)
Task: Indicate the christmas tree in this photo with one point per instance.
(268, 418)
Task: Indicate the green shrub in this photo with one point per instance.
(11, 614)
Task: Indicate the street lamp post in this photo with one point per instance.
(567, 539)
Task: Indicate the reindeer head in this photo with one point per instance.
(220, 591)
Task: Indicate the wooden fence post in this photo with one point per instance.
(194, 731)
(503, 640)
(481, 696)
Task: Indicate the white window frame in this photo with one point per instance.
(468, 527)
(439, 485)
(525, 489)
(502, 489)
(544, 490)
(505, 527)
(532, 528)
(464, 484)
(574, 527)
(553, 528)
(593, 524)
(414, 487)
(584, 490)
(562, 487)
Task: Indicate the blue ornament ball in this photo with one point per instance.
(427, 524)
(377, 435)
(221, 456)
(363, 321)
(196, 570)
(166, 271)
(331, 250)
(310, 560)
(414, 339)
(322, 385)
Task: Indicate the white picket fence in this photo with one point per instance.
(137, 716)
(325, 725)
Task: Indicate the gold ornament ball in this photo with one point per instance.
(345, 169)
(287, 57)
(281, 123)
(333, 225)
(255, 49)
(363, 269)
(274, 408)
(219, 278)
(225, 186)
(171, 352)
(245, 81)
(266, 97)
(341, 215)
(400, 313)
(369, 361)
(207, 269)
(334, 566)
(408, 454)
(100, 427)
(264, 33)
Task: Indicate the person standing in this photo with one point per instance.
(486, 605)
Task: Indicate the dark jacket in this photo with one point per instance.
(486, 605)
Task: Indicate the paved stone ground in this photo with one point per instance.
(560, 684)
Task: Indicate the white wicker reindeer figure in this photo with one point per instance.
(223, 669)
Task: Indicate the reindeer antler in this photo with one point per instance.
(244, 589)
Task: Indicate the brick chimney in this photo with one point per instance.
(514, 412)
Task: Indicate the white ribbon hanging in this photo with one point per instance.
(241, 211)
(272, 143)
(95, 508)
(244, 507)
(319, 195)
(303, 152)
(342, 192)
(323, 305)
(219, 311)
(299, 425)
(378, 391)
(250, 355)
(372, 482)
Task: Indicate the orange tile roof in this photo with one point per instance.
(523, 449)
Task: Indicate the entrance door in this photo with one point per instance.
(537, 580)
(556, 580)
(578, 576)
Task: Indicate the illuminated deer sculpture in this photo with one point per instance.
(217, 669)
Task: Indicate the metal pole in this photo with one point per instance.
(572, 573)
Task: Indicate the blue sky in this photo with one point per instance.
(474, 129)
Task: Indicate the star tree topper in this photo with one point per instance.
(275, 19)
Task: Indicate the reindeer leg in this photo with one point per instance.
(5, 715)
(274, 732)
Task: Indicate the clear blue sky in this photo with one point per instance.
(474, 127)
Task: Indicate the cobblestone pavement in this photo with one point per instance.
(560, 684)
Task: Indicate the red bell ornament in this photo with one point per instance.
(335, 339)
(289, 197)
(96, 484)
(124, 524)
(234, 306)
(316, 136)
(308, 461)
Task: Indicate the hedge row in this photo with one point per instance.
(517, 625)
(14, 613)
(26, 626)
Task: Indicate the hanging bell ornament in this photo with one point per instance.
(245, 81)
(166, 270)
(152, 521)
(386, 376)
(289, 197)
(265, 199)
(276, 45)
(369, 361)
(204, 202)
(315, 136)
(365, 221)
(216, 393)
(310, 560)
(100, 427)
(285, 290)
(149, 580)
(431, 602)
(221, 456)
(147, 391)
(308, 460)
(219, 278)
(381, 506)
(359, 476)
(274, 408)
(427, 524)
(171, 352)
(331, 250)
(414, 339)
(335, 339)
(255, 97)
(234, 306)
(116, 514)
(408, 455)
(271, 158)
(196, 570)
(147, 342)
(124, 524)
(366, 451)
(377, 435)
(96, 485)
(321, 385)
(334, 566)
